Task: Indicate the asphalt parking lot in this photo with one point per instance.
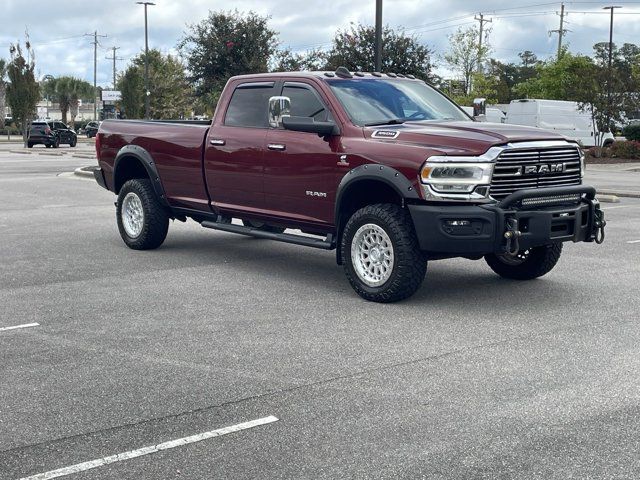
(473, 377)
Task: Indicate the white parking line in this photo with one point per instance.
(26, 325)
(100, 462)
(633, 241)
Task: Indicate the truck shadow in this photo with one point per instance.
(448, 283)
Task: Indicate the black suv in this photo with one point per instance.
(91, 129)
(51, 133)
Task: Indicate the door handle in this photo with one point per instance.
(217, 141)
(277, 146)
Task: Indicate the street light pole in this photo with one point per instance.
(609, 106)
(378, 41)
(146, 59)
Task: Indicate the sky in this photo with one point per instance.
(62, 48)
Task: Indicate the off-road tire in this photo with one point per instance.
(156, 219)
(539, 262)
(262, 226)
(410, 264)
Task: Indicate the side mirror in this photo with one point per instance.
(479, 108)
(279, 107)
(309, 125)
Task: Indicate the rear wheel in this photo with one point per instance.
(29, 145)
(382, 258)
(528, 264)
(262, 226)
(142, 221)
(48, 145)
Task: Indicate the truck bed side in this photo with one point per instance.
(174, 149)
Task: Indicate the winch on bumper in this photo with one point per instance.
(524, 219)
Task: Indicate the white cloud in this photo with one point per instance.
(302, 24)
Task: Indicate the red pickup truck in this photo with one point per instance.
(381, 167)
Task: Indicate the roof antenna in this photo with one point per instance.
(342, 72)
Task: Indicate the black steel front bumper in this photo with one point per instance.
(535, 217)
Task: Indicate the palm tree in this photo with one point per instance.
(68, 90)
(3, 91)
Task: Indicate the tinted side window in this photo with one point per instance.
(304, 102)
(249, 107)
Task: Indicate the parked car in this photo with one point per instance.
(565, 118)
(91, 129)
(51, 133)
(380, 167)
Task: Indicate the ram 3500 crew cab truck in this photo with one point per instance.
(381, 167)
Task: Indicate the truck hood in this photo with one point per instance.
(457, 138)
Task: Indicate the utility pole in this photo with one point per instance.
(378, 46)
(561, 31)
(114, 58)
(146, 60)
(95, 70)
(482, 21)
(609, 106)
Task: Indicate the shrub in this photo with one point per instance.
(628, 149)
(631, 132)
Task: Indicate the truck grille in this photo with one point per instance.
(518, 169)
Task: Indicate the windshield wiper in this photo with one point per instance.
(393, 121)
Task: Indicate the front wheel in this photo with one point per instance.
(527, 264)
(382, 258)
(56, 143)
(73, 142)
(142, 221)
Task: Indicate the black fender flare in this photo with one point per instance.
(149, 164)
(371, 171)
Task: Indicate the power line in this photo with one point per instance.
(482, 21)
(95, 69)
(561, 31)
(114, 58)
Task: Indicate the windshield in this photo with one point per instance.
(370, 101)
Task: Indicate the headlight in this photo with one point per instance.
(456, 177)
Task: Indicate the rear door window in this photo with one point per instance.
(249, 105)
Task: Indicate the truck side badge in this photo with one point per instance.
(343, 161)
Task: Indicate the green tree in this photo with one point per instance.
(465, 54)
(67, 91)
(401, 53)
(288, 61)
(558, 79)
(23, 91)
(170, 96)
(223, 45)
(3, 90)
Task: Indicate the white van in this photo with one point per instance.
(493, 114)
(558, 116)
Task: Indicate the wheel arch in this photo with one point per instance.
(366, 185)
(133, 161)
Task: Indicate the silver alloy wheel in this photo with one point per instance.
(132, 215)
(372, 255)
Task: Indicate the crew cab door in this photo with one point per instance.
(300, 169)
(234, 152)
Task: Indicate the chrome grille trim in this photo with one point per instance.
(510, 171)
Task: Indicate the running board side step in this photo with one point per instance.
(327, 244)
